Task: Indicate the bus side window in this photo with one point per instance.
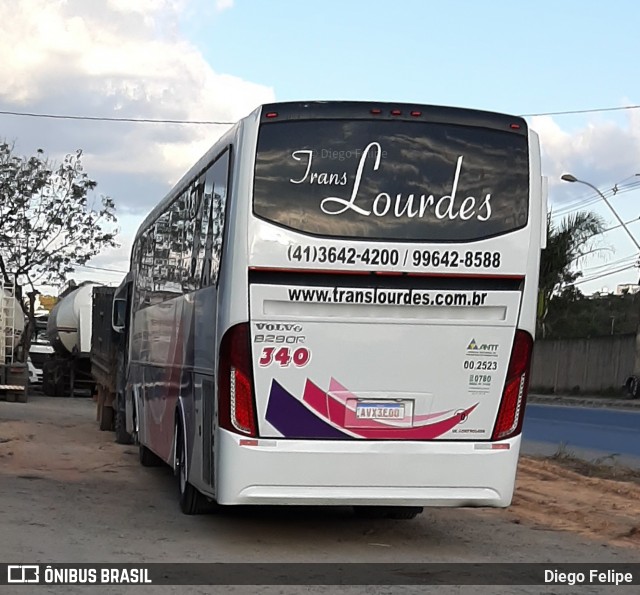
(217, 178)
(163, 260)
(203, 229)
(200, 217)
(206, 264)
(143, 259)
(189, 208)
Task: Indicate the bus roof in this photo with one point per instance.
(361, 110)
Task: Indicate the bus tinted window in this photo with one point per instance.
(391, 180)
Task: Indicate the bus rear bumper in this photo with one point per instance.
(305, 472)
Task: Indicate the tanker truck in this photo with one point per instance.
(14, 379)
(68, 368)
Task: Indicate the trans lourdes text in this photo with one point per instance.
(444, 207)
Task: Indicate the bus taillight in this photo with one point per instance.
(511, 412)
(236, 403)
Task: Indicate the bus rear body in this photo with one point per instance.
(392, 280)
(374, 316)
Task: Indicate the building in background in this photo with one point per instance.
(627, 288)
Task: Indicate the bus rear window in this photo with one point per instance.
(391, 180)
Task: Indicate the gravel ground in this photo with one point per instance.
(68, 493)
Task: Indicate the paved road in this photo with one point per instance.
(586, 431)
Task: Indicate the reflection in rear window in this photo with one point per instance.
(391, 180)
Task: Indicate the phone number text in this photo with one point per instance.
(389, 256)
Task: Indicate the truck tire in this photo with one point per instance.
(47, 387)
(106, 418)
(59, 386)
(59, 378)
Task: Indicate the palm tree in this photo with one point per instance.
(567, 244)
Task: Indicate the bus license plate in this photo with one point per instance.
(372, 412)
(380, 411)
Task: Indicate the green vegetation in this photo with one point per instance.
(563, 311)
(48, 224)
(571, 315)
(567, 245)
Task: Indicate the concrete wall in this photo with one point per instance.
(594, 365)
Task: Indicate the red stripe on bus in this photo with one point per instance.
(313, 271)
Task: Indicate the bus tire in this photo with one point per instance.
(404, 512)
(147, 457)
(191, 500)
(387, 512)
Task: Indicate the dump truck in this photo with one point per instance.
(14, 375)
(108, 357)
(104, 356)
(68, 368)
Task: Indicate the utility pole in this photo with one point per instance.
(632, 383)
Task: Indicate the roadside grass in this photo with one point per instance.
(605, 467)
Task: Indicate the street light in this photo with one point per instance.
(570, 178)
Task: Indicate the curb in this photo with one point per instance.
(585, 401)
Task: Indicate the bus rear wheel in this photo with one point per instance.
(147, 457)
(191, 500)
(388, 512)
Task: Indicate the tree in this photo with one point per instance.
(567, 244)
(48, 224)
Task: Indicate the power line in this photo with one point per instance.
(225, 123)
(602, 275)
(113, 119)
(594, 270)
(582, 111)
(591, 199)
(107, 269)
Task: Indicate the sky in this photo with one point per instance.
(216, 60)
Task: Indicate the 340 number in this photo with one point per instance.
(284, 356)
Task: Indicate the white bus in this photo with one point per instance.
(336, 306)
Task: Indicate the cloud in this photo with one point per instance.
(602, 152)
(223, 5)
(120, 59)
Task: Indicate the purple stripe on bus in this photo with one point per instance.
(293, 420)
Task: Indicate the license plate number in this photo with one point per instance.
(382, 411)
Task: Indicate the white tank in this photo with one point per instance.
(69, 325)
(11, 322)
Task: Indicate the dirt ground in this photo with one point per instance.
(596, 501)
(600, 502)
